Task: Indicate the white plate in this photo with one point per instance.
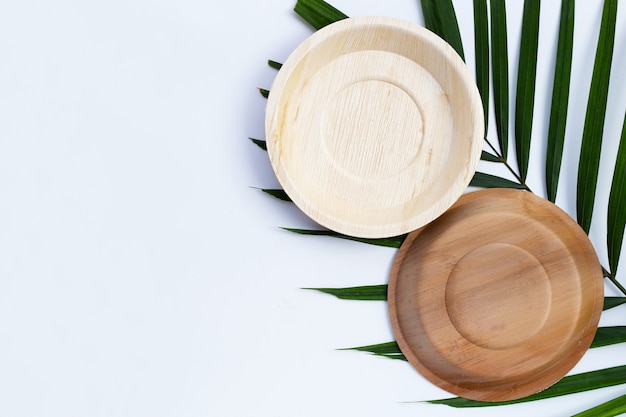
(374, 126)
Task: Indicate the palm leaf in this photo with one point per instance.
(616, 215)
(560, 98)
(589, 162)
(265, 93)
(389, 350)
(610, 302)
(486, 156)
(368, 292)
(392, 242)
(260, 143)
(606, 336)
(318, 13)
(277, 193)
(615, 407)
(481, 50)
(526, 76)
(483, 180)
(439, 17)
(274, 64)
(569, 385)
(500, 72)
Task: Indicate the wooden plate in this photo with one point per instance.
(374, 126)
(498, 298)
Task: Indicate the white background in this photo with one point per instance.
(141, 275)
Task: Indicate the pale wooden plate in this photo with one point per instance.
(374, 126)
(498, 298)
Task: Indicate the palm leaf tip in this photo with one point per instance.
(372, 292)
(500, 72)
(526, 77)
(440, 17)
(318, 13)
(560, 98)
(616, 212)
(589, 162)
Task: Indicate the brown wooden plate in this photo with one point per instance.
(498, 298)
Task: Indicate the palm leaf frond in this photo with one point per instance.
(481, 50)
(526, 76)
(616, 213)
(392, 242)
(569, 385)
(500, 72)
(361, 293)
(593, 130)
(440, 17)
(560, 98)
(615, 407)
(318, 13)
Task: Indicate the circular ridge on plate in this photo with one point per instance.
(498, 298)
(374, 126)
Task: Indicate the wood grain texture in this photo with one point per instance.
(374, 126)
(498, 298)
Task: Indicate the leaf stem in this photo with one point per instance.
(615, 282)
(506, 164)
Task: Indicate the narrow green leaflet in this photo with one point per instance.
(483, 180)
(560, 98)
(526, 76)
(439, 17)
(610, 302)
(500, 72)
(594, 119)
(481, 48)
(274, 64)
(616, 215)
(615, 407)
(569, 385)
(389, 350)
(318, 13)
(486, 156)
(606, 336)
(369, 292)
(392, 242)
(265, 93)
(277, 193)
(260, 143)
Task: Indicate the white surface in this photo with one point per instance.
(140, 275)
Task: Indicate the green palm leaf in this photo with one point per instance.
(606, 336)
(481, 48)
(318, 13)
(610, 302)
(389, 350)
(392, 242)
(260, 143)
(616, 215)
(368, 292)
(439, 17)
(483, 180)
(594, 120)
(560, 98)
(274, 64)
(569, 385)
(500, 72)
(277, 193)
(526, 76)
(615, 407)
